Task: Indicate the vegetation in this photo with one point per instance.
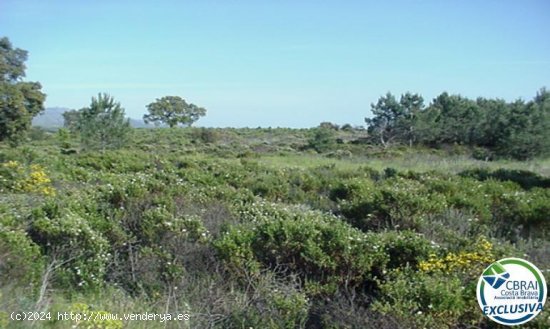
(255, 229)
(102, 125)
(274, 228)
(519, 130)
(173, 110)
(19, 101)
(395, 121)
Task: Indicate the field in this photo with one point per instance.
(261, 228)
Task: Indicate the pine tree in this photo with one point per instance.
(103, 125)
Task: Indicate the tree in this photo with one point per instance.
(527, 133)
(393, 120)
(456, 120)
(173, 110)
(519, 129)
(411, 105)
(385, 112)
(495, 114)
(19, 101)
(71, 119)
(103, 125)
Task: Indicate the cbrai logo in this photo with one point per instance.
(511, 291)
(496, 275)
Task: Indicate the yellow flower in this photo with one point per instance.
(11, 164)
(32, 179)
(468, 262)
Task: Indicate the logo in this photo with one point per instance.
(511, 291)
(496, 275)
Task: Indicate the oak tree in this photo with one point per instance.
(19, 101)
(173, 111)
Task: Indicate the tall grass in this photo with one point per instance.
(420, 162)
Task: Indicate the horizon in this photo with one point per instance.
(279, 64)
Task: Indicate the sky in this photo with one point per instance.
(280, 62)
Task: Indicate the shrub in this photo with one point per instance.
(68, 239)
(114, 161)
(20, 178)
(390, 172)
(522, 214)
(397, 203)
(352, 189)
(346, 127)
(205, 135)
(483, 154)
(323, 139)
(468, 262)
(525, 179)
(425, 301)
(329, 125)
(64, 136)
(441, 291)
(38, 134)
(405, 249)
(267, 302)
(268, 186)
(321, 249)
(21, 260)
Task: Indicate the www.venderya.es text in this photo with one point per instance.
(98, 316)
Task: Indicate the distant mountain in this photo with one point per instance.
(52, 118)
(137, 123)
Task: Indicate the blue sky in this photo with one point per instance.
(280, 63)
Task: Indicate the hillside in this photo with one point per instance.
(51, 118)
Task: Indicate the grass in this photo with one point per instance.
(420, 162)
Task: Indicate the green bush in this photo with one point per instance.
(398, 203)
(114, 161)
(428, 301)
(323, 140)
(69, 239)
(205, 135)
(483, 154)
(405, 249)
(523, 178)
(322, 249)
(21, 261)
(522, 214)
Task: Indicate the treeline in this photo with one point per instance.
(518, 129)
(494, 128)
